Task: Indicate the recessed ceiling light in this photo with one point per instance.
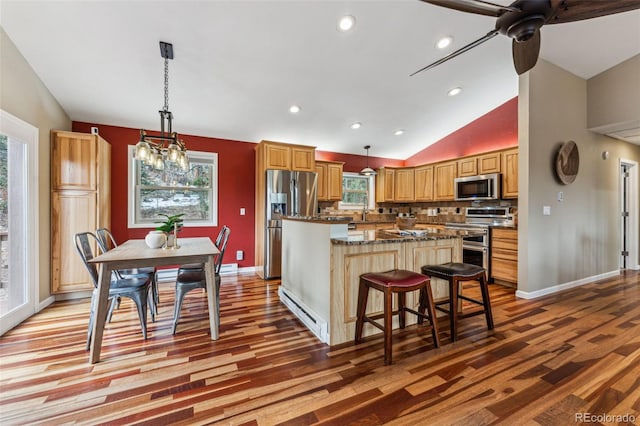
(294, 109)
(356, 125)
(398, 132)
(444, 42)
(454, 91)
(346, 23)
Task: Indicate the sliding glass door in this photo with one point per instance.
(18, 221)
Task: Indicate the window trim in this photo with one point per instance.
(372, 193)
(132, 201)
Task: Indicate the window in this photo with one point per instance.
(357, 190)
(171, 191)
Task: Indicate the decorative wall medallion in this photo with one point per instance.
(567, 162)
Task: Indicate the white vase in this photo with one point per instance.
(155, 239)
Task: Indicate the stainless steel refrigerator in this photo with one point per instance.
(288, 194)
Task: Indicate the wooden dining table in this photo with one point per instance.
(136, 254)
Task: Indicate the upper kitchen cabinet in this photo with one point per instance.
(329, 180)
(74, 159)
(489, 163)
(424, 183)
(479, 164)
(385, 184)
(80, 201)
(404, 185)
(468, 167)
(444, 174)
(283, 156)
(510, 173)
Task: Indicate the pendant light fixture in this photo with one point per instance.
(151, 148)
(368, 171)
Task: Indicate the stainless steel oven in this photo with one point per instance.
(476, 247)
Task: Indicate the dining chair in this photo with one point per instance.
(136, 288)
(106, 239)
(190, 279)
(194, 267)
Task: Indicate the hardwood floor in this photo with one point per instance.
(547, 361)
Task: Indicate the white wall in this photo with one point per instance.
(23, 95)
(580, 240)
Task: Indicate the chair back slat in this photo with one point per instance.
(222, 246)
(84, 242)
(106, 239)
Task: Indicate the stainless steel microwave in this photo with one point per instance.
(482, 187)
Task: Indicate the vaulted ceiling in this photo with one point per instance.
(240, 65)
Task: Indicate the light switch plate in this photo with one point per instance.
(546, 210)
(242, 211)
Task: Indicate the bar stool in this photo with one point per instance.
(454, 273)
(396, 281)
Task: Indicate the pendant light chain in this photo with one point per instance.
(166, 84)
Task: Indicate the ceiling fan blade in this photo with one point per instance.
(460, 51)
(577, 10)
(479, 7)
(525, 53)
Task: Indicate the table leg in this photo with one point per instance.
(212, 297)
(104, 281)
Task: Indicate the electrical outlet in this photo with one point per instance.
(239, 255)
(546, 210)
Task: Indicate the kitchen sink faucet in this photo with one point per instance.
(364, 206)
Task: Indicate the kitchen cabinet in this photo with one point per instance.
(504, 255)
(489, 163)
(424, 183)
(395, 184)
(468, 167)
(404, 185)
(385, 185)
(510, 173)
(479, 165)
(329, 180)
(444, 174)
(80, 202)
(283, 156)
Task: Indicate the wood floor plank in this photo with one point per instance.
(548, 359)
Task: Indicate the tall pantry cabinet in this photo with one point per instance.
(80, 202)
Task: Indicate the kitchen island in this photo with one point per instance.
(322, 262)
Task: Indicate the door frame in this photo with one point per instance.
(633, 239)
(17, 129)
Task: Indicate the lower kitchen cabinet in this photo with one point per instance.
(504, 255)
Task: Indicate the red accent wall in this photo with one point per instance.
(236, 189)
(498, 129)
(355, 163)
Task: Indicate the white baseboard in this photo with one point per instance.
(248, 270)
(310, 319)
(565, 286)
(170, 274)
(46, 302)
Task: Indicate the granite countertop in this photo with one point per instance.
(320, 219)
(383, 236)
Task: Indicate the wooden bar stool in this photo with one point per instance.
(454, 273)
(397, 281)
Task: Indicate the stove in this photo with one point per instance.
(476, 248)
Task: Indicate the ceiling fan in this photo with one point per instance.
(522, 20)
